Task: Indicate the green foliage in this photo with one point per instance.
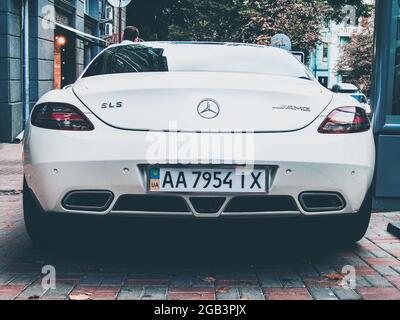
(211, 20)
(302, 21)
(253, 21)
(362, 9)
(356, 60)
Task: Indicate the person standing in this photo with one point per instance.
(131, 34)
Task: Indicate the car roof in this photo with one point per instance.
(198, 43)
(193, 42)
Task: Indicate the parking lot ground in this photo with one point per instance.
(122, 258)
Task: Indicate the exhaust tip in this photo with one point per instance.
(88, 200)
(322, 201)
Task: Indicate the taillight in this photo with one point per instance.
(345, 120)
(60, 117)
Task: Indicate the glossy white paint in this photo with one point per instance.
(176, 95)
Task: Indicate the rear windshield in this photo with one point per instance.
(196, 58)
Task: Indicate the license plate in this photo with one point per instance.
(207, 180)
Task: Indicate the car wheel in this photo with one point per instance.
(37, 224)
(357, 227)
(350, 229)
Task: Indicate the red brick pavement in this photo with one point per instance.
(376, 260)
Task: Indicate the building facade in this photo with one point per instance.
(46, 44)
(324, 57)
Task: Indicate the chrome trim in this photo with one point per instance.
(87, 208)
(322, 209)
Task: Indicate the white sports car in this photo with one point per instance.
(203, 130)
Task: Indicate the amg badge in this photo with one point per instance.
(294, 108)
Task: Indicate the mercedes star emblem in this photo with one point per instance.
(208, 108)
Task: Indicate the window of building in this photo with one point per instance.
(344, 41)
(323, 81)
(324, 52)
(64, 58)
(396, 72)
(101, 9)
(86, 6)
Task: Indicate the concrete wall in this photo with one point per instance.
(41, 63)
(11, 108)
(41, 41)
(331, 36)
(80, 25)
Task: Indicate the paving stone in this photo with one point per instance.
(35, 290)
(395, 280)
(362, 282)
(9, 292)
(397, 268)
(322, 294)
(321, 282)
(6, 278)
(130, 293)
(180, 281)
(379, 293)
(236, 281)
(191, 293)
(227, 293)
(378, 281)
(388, 262)
(61, 291)
(202, 281)
(357, 261)
(346, 293)
(287, 294)
(386, 271)
(381, 253)
(148, 280)
(363, 253)
(24, 279)
(91, 280)
(250, 293)
(269, 281)
(155, 293)
(94, 293)
(115, 280)
(292, 282)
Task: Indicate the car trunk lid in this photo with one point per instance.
(176, 101)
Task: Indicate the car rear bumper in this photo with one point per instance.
(57, 163)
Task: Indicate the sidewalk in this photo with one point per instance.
(150, 267)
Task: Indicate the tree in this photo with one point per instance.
(362, 9)
(355, 62)
(301, 20)
(211, 20)
(253, 21)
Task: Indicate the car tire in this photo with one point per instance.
(37, 223)
(350, 229)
